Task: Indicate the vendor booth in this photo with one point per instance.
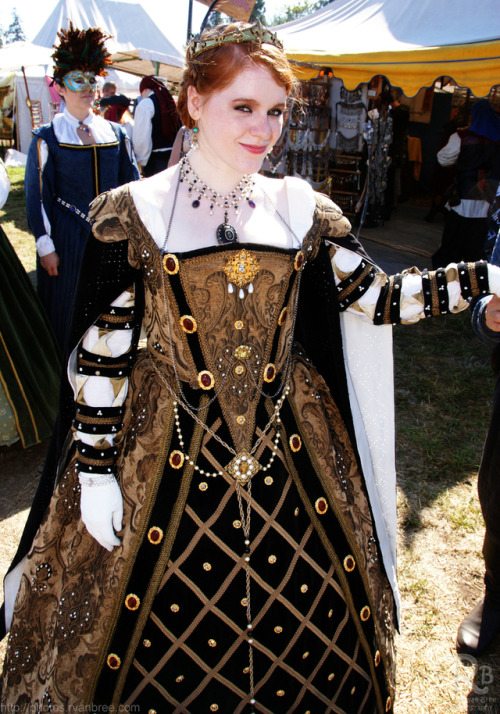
(350, 55)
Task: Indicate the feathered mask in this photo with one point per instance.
(80, 49)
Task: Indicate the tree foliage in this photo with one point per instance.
(258, 13)
(14, 32)
(298, 9)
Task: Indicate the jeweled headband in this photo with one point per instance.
(256, 33)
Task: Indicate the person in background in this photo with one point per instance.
(156, 123)
(480, 627)
(70, 162)
(475, 154)
(114, 107)
(108, 89)
(30, 360)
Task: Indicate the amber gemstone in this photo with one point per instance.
(299, 260)
(132, 602)
(113, 661)
(349, 563)
(155, 535)
(321, 506)
(176, 459)
(270, 372)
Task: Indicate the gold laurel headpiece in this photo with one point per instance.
(256, 33)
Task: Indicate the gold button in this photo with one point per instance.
(304, 588)
(113, 661)
(305, 655)
(239, 369)
(203, 486)
(207, 566)
(246, 670)
(330, 613)
(331, 676)
(244, 602)
(236, 524)
(296, 512)
(212, 643)
(238, 325)
(240, 420)
(146, 643)
(151, 711)
(272, 559)
(180, 678)
(365, 613)
(175, 607)
(268, 480)
(214, 707)
(280, 693)
(353, 690)
(349, 563)
(132, 602)
(278, 629)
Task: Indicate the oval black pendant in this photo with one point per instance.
(226, 234)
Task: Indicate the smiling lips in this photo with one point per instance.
(254, 149)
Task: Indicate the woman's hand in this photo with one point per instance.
(492, 316)
(101, 509)
(50, 262)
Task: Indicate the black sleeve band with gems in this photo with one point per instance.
(388, 307)
(95, 461)
(98, 420)
(93, 365)
(473, 278)
(355, 285)
(117, 318)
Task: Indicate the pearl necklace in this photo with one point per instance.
(225, 232)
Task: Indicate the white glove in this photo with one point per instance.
(101, 508)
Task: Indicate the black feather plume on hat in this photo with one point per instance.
(80, 49)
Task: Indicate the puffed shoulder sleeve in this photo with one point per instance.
(110, 215)
(328, 223)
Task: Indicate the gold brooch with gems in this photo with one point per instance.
(243, 467)
(241, 270)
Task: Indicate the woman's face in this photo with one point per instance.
(239, 124)
(78, 103)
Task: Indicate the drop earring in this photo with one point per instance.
(194, 137)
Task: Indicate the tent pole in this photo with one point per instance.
(28, 100)
(190, 20)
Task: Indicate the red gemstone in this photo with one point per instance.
(270, 373)
(296, 442)
(176, 459)
(321, 506)
(170, 263)
(206, 380)
(300, 260)
(113, 662)
(132, 602)
(154, 535)
(188, 324)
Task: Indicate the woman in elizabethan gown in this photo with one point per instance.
(221, 535)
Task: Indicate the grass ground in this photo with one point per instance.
(443, 399)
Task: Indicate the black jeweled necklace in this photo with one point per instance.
(225, 232)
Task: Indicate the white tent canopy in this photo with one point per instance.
(412, 41)
(23, 54)
(128, 23)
